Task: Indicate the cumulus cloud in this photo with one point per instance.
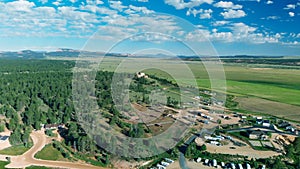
(273, 17)
(206, 14)
(227, 5)
(290, 6)
(233, 14)
(21, 6)
(117, 5)
(239, 32)
(291, 14)
(220, 23)
(269, 2)
(180, 4)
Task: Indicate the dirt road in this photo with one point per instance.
(27, 159)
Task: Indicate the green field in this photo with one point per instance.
(258, 83)
(15, 150)
(49, 153)
(3, 163)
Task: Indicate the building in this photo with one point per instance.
(266, 123)
(53, 126)
(206, 161)
(3, 138)
(259, 120)
(290, 128)
(160, 166)
(214, 163)
(284, 124)
(198, 159)
(258, 134)
(165, 164)
(140, 75)
(169, 160)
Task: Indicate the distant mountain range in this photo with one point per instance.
(29, 54)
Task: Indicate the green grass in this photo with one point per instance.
(3, 164)
(49, 153)
(276, 84)
(15, 150)
(37, 167)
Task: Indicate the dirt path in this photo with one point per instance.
(27, 159)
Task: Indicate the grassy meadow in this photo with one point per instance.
(251, 83)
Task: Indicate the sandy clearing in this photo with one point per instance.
(190, 164)
(27, 159)
(5, 144)
(244, 151)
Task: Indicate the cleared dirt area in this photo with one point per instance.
(243, 150)
(283, 110)
(27, 159)
(190, 164)
(5, 144)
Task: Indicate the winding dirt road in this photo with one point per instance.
(27, 159)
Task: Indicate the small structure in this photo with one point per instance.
(53, 126)
(141, 75)
(290, 128)
(169, 160)
(206, 161)
(284, 124)
(240, 166)
(215, 143)
(222, 164)
(258, 134)
(165, 164)
(259, 120)
(266, 123)
(248, 166)
(3, 138)
(198, 160)
(214, 163)
(160, 166)
(232, 165)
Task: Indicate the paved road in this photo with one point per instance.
(182, 159)
(270, 129)
(27, 159)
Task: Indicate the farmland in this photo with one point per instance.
(262, 85)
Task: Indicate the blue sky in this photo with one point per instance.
(205, 27)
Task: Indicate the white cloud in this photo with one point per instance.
(94, 2)
(73, 1)
(271, 17)
(269, 2)
(142, 0)
(290, 6)
(21, 6)
(117, 5)
(57, 3)
(241, 28)
(239, 32)
(43, 1)
(220, 23)
(292, 14)
(227, 5)
(141, 9)
(180, 4)
(206, 14)
(233, 14)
